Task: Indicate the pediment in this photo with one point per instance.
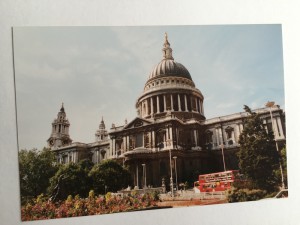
(137, 122)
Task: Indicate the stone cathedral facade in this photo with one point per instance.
(170, 124)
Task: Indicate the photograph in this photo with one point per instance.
(115, 119)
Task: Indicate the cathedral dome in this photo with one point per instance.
(168, 67)
(170, 89)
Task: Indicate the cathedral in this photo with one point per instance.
(170, 136)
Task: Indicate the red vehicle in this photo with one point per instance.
(217, 181)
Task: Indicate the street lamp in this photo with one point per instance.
(144, 174)
(175, 157)
(270, 105)
(137, 176)
(171, 178)
(222, 147)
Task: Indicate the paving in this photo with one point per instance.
(190, 198)
(193, 202)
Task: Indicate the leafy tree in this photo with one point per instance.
(109, 176)
(36, 168)
(73, 180)
(258, 158)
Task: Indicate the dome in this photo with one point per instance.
(168, 67)
(170, 90)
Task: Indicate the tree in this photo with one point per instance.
(72, 179)
(36, 168)
(109, 176)
(258, 158)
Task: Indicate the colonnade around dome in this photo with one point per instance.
(174, 102)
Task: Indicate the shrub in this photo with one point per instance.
(42, 209)
(243, 195)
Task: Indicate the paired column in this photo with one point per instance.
(185, 103)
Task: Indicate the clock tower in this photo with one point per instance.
(60, 130)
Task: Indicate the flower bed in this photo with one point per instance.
(42, 209)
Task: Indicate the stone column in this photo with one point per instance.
(171, 137)
(113, 143)
(147, 111)
(172, 106)
(165, 104)
(185, 103)
(191, 99)
(151, 106)
(179, 103)
(233, 136)
(124, 145)
(217, 135)
(127, 142)
(280, 127)
(140, 110)
(276, 132)
(195, 136)
(157, 104)
(200, 107)
(167, 133)
(153, 139)
(195, 99)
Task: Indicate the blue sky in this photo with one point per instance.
(101, 71)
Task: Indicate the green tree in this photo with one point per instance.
(258, 158)
(36, 168)
(74, 180)
(109, 176)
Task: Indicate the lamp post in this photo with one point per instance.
(144, 174)
(175, 157)
(270, 105)
(222, 147)
(171, 178)
(137, 176)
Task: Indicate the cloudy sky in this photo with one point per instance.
(101, 71)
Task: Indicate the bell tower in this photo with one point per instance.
(101, 133)
(60, 130)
